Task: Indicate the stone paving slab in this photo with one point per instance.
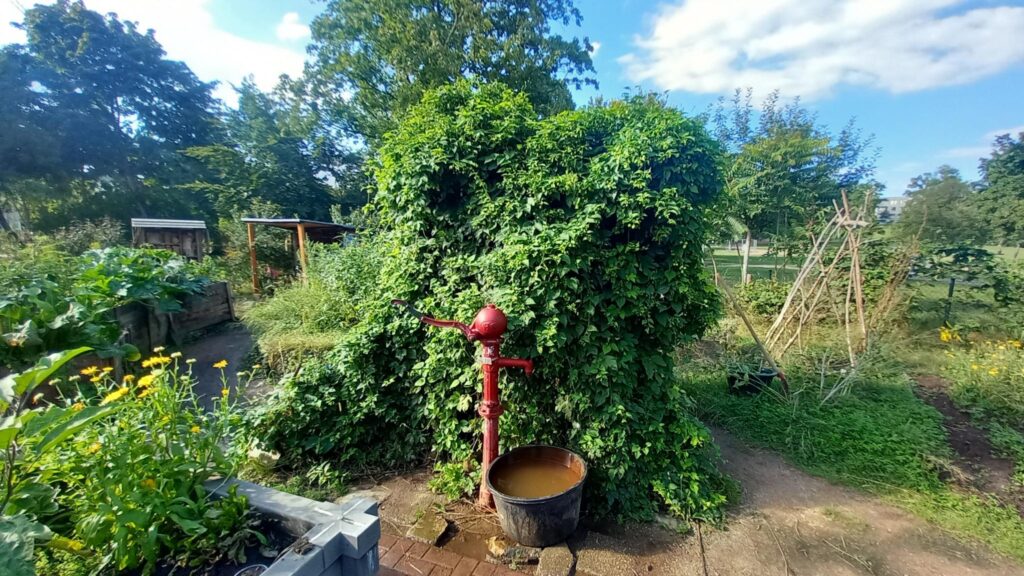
(556, 561)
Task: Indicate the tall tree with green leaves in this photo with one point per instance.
(265, 160)
(373, 59)
(98, 114)
(1002, 189)
(782, 167)
(943, 210)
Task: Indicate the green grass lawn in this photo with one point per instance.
(880, 438)
(759, 266)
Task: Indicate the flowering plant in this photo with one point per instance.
(132, 485)
(988, 377)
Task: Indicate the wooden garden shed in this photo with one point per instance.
(185, 237)
(302, 231)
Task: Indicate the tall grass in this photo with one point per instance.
(303, 319)
(877, 436)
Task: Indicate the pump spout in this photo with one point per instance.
(526, 365)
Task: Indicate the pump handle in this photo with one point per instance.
(409, 308)
(470, 333)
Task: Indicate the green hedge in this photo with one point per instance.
(586, 228)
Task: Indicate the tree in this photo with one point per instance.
(586, 228)
(99, 115)
(1002, 189)
(265, 159)
(942, 210)
(782, 167)
(373, 59)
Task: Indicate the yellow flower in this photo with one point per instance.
(224, 392)
(149, 483)
(146, 392)
(993, 371)
(78, 406)
(94, 448)
(90, 370)
(194, 429)
(146, 381)
(108, 369)
(155, 361)
(175, 354)
(159, 349)
(115, 395)
(221, 364)
(129, 378)
(975, 366)
(256, 366)
(95, 379)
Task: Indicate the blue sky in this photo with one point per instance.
(933, 80)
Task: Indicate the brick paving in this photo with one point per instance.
(403, 557)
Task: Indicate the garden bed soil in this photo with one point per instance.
(976, 466)
(787, 522)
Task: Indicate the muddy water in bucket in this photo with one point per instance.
(535, 479)
(537, 491)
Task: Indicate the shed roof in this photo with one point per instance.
(162, 223)
(292, 223)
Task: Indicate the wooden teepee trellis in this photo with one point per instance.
(814, 285)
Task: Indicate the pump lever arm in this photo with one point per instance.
(468, 331)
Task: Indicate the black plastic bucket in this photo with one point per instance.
(750, 383)
(543, 521)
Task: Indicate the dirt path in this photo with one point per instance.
(792, 523)
(788, 523)
(975, 466)
(231, 342)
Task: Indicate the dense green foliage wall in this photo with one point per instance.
(586, 228)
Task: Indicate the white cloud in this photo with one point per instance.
(187, 31)
(811, 47)
(10, 12)
(985, 147)
(597, 48)
(1012, 131)
(291, 28)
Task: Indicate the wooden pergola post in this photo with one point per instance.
(302, 250)
(251, 233)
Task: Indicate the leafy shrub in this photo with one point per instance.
(90, 235)
(586, 228)
(763, 296)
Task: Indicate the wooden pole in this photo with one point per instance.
(251, 233)
(750, 327)
(302, 250)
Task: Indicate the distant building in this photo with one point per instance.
(186, 237)
(889, 209)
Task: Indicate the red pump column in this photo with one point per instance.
(488, 327)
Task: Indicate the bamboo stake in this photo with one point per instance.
(750, 327)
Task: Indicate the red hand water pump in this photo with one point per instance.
(487, 328)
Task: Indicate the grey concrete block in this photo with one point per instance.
(358, 504)
(291, 564)
(342, 537)
(351, 535)
(367, 565)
